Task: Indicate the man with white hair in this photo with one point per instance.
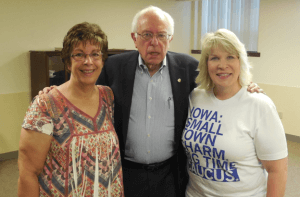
(151, 88)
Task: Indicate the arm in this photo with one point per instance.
(277, 176)
(33, 149)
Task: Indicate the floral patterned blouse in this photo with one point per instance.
(84, 156)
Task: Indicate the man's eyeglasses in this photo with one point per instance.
(82, 56)
(160, 36)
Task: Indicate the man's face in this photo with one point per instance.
(153, 51)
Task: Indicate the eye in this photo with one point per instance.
(230, 57)
(147, 35)
(162, 36)
(214, 58)
(96, 54)
(79, 55)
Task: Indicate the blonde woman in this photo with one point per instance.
(234, 140)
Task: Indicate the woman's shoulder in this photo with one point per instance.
(259, 99)
(196, 92)
(107, 91)
(198, 96)
(105, 88)
(46, 100)
(43, 97)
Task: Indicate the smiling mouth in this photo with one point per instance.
(224, 75)
(87, 71)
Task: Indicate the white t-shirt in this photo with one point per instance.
(224, 140)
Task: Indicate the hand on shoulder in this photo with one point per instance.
(46, 90)
(253, 87)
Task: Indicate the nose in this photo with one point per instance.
(154, 40)
(88, 59)
(222, 64)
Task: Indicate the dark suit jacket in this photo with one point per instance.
(119, 72)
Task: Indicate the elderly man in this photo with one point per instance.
(151, 88)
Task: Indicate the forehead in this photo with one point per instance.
(222, 50)
(153, 23)
(87, 44)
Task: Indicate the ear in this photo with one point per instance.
(134, 39)
(69, 67)
(171, 39)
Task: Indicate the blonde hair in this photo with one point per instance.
(228, 41)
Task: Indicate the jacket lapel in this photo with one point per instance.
(128, 72)
(178, 83)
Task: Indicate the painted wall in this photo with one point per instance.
(277, 70)
(42, 24)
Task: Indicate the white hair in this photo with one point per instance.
(159, 12)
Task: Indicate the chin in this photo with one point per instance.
(154, 62)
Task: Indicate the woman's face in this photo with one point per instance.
(223, 69)
(87, 70)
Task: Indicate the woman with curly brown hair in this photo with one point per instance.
(68, 144)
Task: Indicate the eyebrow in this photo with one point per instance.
(95, 50)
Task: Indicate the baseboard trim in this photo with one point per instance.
(9, 155)
(293, 138)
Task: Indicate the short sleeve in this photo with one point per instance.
(37, 117)
(270, 140)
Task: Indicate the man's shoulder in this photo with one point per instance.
(124, 55)
(181, 56)
(122, 59)
(183, 59)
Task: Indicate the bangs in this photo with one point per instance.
(222, 44)
(93, 40)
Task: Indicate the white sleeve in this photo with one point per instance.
(269, 139)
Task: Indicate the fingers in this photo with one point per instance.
(256, 89)
(262, 91)
(46, 90)
(253, 85)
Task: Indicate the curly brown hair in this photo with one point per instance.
(83, 33)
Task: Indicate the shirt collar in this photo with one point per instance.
(142, 66)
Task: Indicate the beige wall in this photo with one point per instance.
(13, 107)
(41, 25)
